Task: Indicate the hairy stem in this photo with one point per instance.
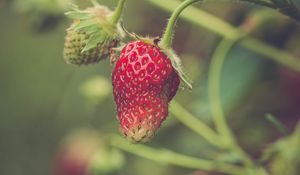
(216, 25)
(164, 156)
(167, 37)
(115, 17)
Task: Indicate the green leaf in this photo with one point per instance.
(241, 71)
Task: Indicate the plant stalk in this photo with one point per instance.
(214, 78)
(164, 156)
(195, 124)
(167, 37)
(115, 17)
(214, 24)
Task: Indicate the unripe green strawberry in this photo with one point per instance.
(92, 35)
(76, 41)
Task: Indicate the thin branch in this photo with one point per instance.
(164, 156)
(203, 19)
(195, 124)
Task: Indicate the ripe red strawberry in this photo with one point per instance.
(144, 81)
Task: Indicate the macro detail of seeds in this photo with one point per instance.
(143, 85)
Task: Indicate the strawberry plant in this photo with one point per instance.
(147, 73)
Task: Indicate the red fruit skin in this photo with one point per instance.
(144, 81)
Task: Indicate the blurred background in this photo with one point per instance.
(42, 99)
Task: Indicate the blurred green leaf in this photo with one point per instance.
(45, 6)
(241, 70)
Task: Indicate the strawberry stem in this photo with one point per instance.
(115, 17)
(168, 157)
(192, 122)
(202, 19)
(214, 77)
(167, 37)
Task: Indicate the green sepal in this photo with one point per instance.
(91, 29)
(98, 30)
(175, 60)
(76, 13)
(79, 14)
(93, 41)
(85, 25)
(176, 63)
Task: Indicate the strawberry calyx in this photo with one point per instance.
(167, 38)
(175, 60)
(95, 22)
(177, 65)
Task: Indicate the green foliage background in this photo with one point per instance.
(42, 99)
